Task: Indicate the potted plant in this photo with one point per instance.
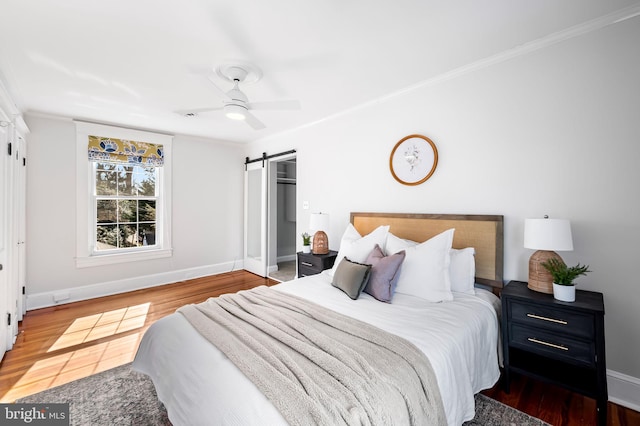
(563, 276)
(306, 243)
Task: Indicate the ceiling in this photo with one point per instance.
(133, 63)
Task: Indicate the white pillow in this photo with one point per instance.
(356, 247)
(395, 244)
(425, 270)
(463, 270)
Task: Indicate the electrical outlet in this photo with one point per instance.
(305, 205)
(59, 297)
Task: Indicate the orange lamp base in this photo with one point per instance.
(320, 243)
(540, 279)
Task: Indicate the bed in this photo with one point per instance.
(199, 385)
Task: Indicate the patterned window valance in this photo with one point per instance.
(125, 152)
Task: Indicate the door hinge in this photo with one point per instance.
(24, 162)
(9, 319)
(24, 290)
(9, 151)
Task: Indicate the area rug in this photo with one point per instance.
(121, 396)
(490, 412)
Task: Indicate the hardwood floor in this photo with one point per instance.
(63, 343)
(558, 406)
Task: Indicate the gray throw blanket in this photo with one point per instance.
(317, 366)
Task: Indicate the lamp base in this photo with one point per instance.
(320, 243)
(540, 279)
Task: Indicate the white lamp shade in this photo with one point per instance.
(548, 234)
(319, 222)
(235, 112)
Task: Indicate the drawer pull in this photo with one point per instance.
(542, 342)
(557, 321)
(307, 263)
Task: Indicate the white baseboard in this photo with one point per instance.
(286, 258)
(624, 390)
(76, 294)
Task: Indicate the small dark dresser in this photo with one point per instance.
(311, 264)
(557, 342)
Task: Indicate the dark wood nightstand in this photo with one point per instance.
(311, 264)
(558, 342)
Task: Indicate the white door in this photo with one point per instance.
(19, 225)
(4, 290)
(255, 218)
(14, 222)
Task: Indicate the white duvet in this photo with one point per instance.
(200, 386)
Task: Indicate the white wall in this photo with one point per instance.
(555, 131)
(207, 216)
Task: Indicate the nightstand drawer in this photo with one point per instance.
(303, 271)
(561, 321)
(311, 263)
(546, 343)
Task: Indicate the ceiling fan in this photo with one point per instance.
(236, 105)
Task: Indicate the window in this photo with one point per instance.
(125, 200)
(124, 195)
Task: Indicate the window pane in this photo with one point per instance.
(106, 237)
(144, 179)
(147, 234)
(127, 211)
(124, 181)
(106, 211)
(129, 235)
(127, 187)
(106, 180)
(147, 211)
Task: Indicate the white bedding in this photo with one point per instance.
(200, 386)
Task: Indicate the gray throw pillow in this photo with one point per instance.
(385, 271)
(351, 277)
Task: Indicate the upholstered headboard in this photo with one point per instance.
(483, 232)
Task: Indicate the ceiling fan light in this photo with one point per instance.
(235, 112)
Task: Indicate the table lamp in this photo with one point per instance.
(319, 222)
(545, 235)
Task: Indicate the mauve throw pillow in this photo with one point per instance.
(385, 271)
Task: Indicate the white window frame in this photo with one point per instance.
(86, 256)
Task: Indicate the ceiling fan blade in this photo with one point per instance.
(197, 110)
(221, 92)
(253, 121)
(275, 105)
